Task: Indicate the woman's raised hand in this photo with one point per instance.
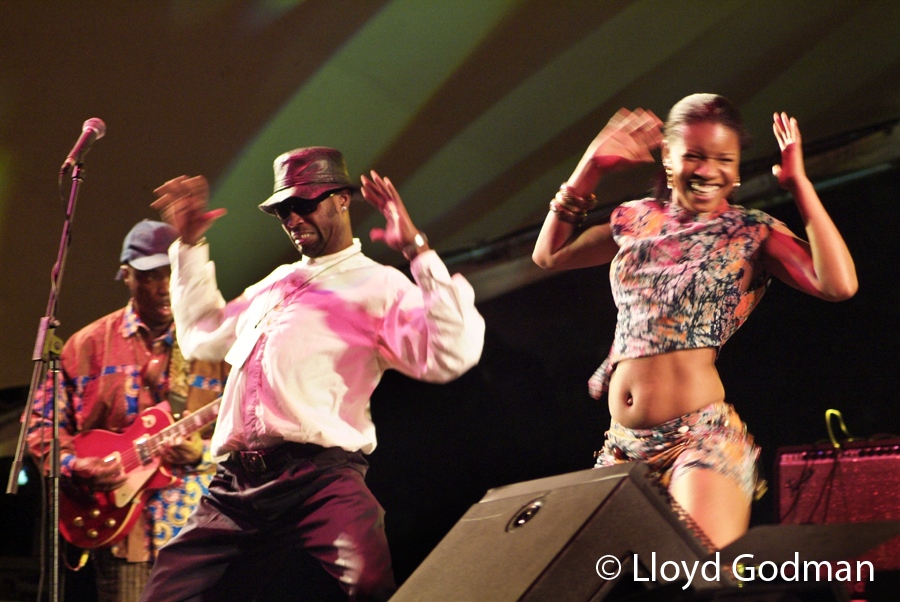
(627, 140)
(788, 135)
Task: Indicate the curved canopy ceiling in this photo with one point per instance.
(476, 109)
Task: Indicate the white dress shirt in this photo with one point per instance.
(309, 343)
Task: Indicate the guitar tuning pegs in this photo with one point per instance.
(94, 513)
(78, 521)
(110, 522)
(92, 533)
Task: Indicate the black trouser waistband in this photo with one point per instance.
(274, 458)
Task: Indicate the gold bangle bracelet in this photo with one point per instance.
(572, 205)
(567, 197)
(566, 215)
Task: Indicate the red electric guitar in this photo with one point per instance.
(94, 520)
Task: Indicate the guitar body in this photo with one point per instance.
(100, 519)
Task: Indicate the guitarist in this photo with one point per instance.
(112, 370)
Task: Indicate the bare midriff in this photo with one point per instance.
(648, 391)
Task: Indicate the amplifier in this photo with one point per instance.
(858, 482)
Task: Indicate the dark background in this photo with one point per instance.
(524, 413)
(477, 110)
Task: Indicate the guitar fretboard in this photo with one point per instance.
(150, 447)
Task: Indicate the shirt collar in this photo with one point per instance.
(328, 260)
(684, 215)
(132, 324)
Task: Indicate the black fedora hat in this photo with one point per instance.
(308, 173)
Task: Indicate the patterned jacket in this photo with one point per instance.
(109, 376)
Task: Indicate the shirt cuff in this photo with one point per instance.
(189, 257)
(428, 270)
(65, 465)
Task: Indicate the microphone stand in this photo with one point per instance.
(46, 358)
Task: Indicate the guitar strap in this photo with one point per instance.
(179, 372)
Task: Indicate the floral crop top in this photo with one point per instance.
(677, 278)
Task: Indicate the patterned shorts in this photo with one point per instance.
(713, 437)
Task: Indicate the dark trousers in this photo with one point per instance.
(117, 579)
(254, 535)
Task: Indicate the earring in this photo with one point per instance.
(737, 182)
(669, 176)
(343, 207)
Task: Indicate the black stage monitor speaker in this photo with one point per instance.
(543, 540)
(550, 540)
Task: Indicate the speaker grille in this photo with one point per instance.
(856, 483)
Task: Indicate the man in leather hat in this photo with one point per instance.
(307, 346)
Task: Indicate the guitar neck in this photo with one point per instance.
(187, 426)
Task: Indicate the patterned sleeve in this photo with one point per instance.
(756, 216)
(40, 423)
(762, 223)
(624, 218)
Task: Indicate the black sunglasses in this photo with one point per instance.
(300, 206)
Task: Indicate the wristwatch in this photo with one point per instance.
(419, 244)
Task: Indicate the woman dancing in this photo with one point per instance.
(687, 269)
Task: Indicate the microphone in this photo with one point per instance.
(93, 130)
